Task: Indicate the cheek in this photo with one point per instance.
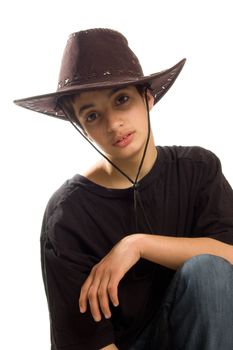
(89, 136)
(140, 117)
(94, 136)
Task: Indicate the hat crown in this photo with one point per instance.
(97, 55)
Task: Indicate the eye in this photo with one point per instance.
(122, 99)
(91, 117)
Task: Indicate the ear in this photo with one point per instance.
(150, 99)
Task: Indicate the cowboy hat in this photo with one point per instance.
(97, 59)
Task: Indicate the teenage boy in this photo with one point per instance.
(137, 252)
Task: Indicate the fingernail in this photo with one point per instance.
(97, 319)
(107, 316)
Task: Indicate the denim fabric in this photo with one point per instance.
(197, 311)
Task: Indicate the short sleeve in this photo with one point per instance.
(214, 205)
(64, 271)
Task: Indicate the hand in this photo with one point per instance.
(102, 283)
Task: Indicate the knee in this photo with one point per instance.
(207, 272)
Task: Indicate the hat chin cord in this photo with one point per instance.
(135, 183)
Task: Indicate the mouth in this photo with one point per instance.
(124, 140)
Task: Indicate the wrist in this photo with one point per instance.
(136, 243)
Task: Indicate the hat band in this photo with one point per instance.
(105, 76)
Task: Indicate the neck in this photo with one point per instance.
(131, 166)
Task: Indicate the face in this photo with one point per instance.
(115, 119)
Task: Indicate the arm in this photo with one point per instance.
(64, 270)
(174, 251)
(110, 347)
(102, 283)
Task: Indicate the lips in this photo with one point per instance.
(123, 140)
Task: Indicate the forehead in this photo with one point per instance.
(96, 94)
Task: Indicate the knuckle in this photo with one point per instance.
(111, 288)
(105, 309)
(99, 270)
(83, 291)
(104, 305)
(94, 269)
(91, 293)
(100, 293)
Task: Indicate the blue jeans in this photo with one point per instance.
(197, 311)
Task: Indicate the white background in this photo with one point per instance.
(38, 153)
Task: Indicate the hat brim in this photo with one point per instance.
(47, 104)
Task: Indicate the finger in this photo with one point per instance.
(94, 302)
(103, 296)
(113, 291)
(83, 298)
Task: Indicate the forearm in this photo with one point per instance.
(110, 347)
(174, 251)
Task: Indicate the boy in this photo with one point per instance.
(137, 252)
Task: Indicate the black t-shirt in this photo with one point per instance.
(185, 195)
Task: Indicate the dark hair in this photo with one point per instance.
(68, 100)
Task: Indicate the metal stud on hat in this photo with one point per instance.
(97, 59)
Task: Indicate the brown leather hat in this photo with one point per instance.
(97, 59)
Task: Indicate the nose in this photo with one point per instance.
(114, 121)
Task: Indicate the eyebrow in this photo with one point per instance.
(91, 105)
(85, 107)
